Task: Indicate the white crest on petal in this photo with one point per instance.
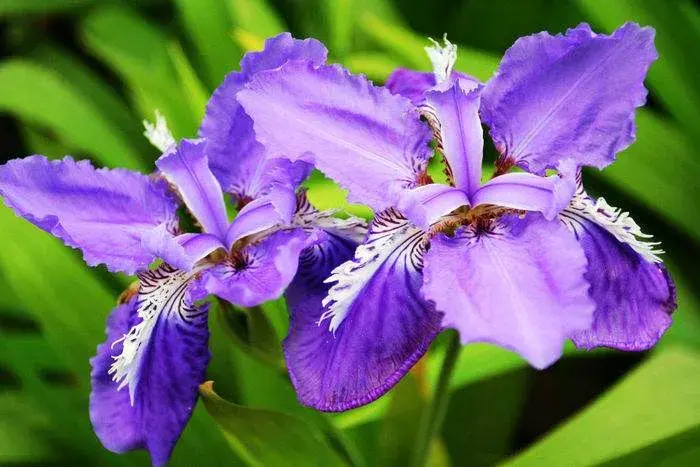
(443, 58)
(391, 235)
(308, 217)
(612, 219)
(162, 293)
(158, 133)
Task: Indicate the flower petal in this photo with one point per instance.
(633, 293)
(187, 168)
(353, 229)
(370, 141)
(529, 192)
(414, 84)
(274, 208)
(237, 160)
(170, 366)
(266, 270)
(519, 285)
(380, 324)
(568, 96)
(453, 112)
(105, 213)
(426, 204)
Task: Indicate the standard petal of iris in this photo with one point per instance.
(171, 363)
(414, 84)
(379, 323)
(187, 168)
(519, 285)
(528, 192)
(453, 112)
(370, 141)
(235, 157)
(633, 293)
(105, 213)
(571, 95)
(261, 272)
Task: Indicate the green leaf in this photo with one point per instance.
(657, 401)
(39, 6)
(43, 97)
(377, 66)
(256, 16)
(263, 437)
(660, 170)
(143, 61)
(326, 194)
(673, 76)
(207, 25)
(193, 89)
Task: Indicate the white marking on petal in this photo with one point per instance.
(158, 133)
(612, 219)
(443, 58)
(162, 292)
(390, 235)
(308, 217)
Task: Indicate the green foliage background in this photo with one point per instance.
(78, 76)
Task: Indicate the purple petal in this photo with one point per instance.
(426, 204)
(171, 367)
(236, 159)
(187, 168)
(519, 285)
(353, 229)
(568, 96)
(275, 208)
(454, 114)
(548, 195)
(414, 84)
(386, 325)
(105, 213)
(370, 141)
(634, 296)
(263, 272)
(198, 246)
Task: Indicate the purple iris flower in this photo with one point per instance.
(146, 374)
(524, 260)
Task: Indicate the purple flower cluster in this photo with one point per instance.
(523, 259)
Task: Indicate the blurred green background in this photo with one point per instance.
(78, 77)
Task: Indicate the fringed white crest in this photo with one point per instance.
(612, 219)
(443, 58)
(308, 217)
(162, 293)
(158, 133)
(390, 236)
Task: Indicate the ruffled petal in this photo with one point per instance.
(414, 84)
(263, 271)
(379, 323)
(568, 96)
(236, 158)
(165, 361)
(453, 112)
(519, 285)
(370, 141)
(104, 213)
(187, 168)
(528, 192)
(426, 204)
(633, 292)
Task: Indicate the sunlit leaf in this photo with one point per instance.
(377, 66)
(255, 16)
(192, 88)
(262, 437)
(49, 102)
(657, 401)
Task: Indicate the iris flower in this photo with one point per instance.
(146, 374)
(525, 260)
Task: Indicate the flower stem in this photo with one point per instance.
(434, 413)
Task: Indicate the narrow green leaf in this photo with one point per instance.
(43, 97)
(657, 401)
(377, 66)
(207, 25)
(340, 15)
(8, 7)
(673, 76)
(262, 437)
(256, 16)
(194, 91)
(142, 59)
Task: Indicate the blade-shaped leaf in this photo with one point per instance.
(262, 437)
(256, 16)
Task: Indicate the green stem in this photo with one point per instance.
(434, 413)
